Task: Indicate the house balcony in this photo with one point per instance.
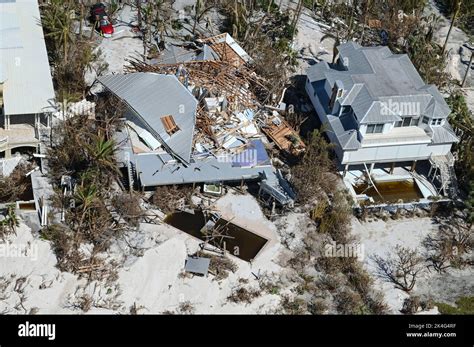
(18, 136)
(397, 136)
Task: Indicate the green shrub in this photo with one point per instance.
(464, 305)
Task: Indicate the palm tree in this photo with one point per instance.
(12, 220)
(85, 198)
(102, 154)
(455, 13)
(57, 23)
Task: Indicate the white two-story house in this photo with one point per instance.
(376, 108)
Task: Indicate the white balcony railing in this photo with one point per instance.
(3, 141)
(395, 140)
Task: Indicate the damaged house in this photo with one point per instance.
(383, 118)
(221, 47)
(194, 118)
(162, 144)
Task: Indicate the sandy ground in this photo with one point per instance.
(124, 44)
(458, 55)
(151, 281)
(308, 39)
(380, 238)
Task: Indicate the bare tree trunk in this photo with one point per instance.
(139, 12)
(455, 15)
(197, 8)
(467, 71)
(81, 19)
(65, 46)
(364, 23)
(93, 29)
(299, 9)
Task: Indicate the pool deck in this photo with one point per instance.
(379, 175)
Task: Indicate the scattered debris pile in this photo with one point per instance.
(284, 136)
(202, 121)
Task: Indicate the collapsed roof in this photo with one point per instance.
(178, 54)
(159, 101)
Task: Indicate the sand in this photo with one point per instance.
(381, 238)
(152, 280)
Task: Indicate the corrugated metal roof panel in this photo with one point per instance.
(237, 48)
(28, 87)
(154, 173)
(153, 96)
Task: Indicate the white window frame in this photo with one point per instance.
(374, 128)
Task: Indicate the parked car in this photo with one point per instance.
(101, 20)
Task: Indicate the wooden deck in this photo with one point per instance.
(284, 137)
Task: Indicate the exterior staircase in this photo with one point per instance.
(444, 166)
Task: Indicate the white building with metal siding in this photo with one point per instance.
(25, 74)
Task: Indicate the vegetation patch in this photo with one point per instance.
(464, 305)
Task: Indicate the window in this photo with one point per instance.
(169, 125)
(426, 120)
(345, 109)
(436, 121)
(374, 128)
(406, 121)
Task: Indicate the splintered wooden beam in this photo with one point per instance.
(218, 77)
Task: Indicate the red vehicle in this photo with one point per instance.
(101, 20)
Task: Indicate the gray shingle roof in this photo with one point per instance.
(349, 140)
(153, 172)
(373, 77)
(345, 129)
(152, 96)
(444, 134)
